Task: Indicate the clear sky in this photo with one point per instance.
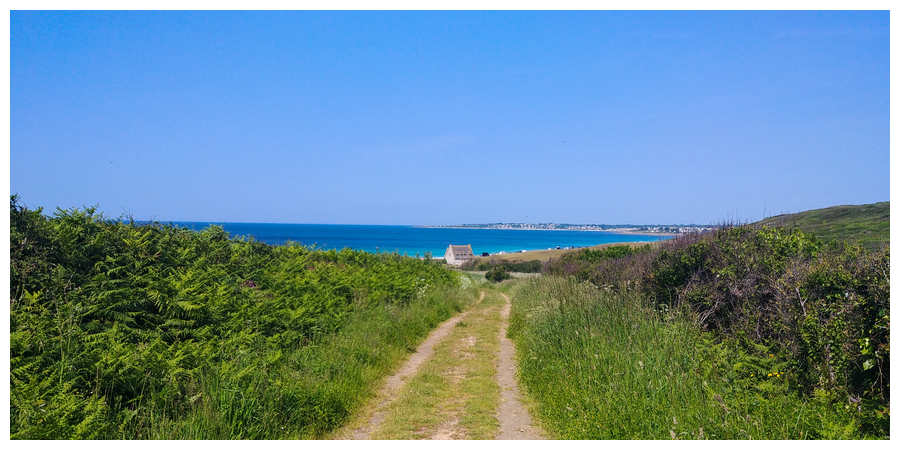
(449, 117)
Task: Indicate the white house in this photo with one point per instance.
(458, 254)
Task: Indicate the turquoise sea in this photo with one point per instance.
(412, 240)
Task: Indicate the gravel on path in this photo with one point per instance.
(396, 381)
(515, 422)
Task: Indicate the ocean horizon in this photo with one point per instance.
(414, 239)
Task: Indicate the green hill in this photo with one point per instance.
(869, 224)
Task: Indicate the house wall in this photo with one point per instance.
(448, 255)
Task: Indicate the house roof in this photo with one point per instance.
(461, 249)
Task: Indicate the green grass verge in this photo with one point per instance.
(604, 365)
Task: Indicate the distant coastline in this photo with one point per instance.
(643, 233)
(629, 232)
(642, 230)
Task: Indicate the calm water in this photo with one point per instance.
(412, 240)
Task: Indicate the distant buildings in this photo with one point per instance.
(636, 229)
(458, 254)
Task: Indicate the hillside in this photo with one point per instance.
(544, 255)
(870, 224)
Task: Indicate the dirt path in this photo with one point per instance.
(396, 381)
(459, 384)
(515, 422)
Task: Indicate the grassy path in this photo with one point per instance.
(515, 422)
(460, 384)
(371, 418)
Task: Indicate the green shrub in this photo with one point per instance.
(497, 274)
(824, 307)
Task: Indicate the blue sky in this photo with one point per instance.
(449, 117)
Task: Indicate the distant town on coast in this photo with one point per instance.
(642, 229)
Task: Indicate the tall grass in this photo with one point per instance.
(605, 364)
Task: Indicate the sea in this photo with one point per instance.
(416, 241)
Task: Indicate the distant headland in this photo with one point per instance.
(662, 230)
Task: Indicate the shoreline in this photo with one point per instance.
(629, 232)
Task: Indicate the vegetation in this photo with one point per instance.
(584, 263)
(497, 274)
(121, 330)
(868, 224)
(545, 255)
(742, 333)
(510, 266)
(455, 394)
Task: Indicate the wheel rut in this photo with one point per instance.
(443, 415)
(395, 382)
(515, 422)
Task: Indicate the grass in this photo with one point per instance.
(545, 255)
(869, 224)
(455, 394)
(601, 364)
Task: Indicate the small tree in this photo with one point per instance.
(497, 274)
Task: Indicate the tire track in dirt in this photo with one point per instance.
(515, 422)
(395, 382)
